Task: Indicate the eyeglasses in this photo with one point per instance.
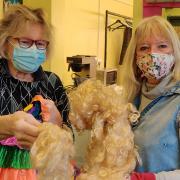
(27, 43)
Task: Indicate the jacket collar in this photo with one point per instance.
(174, 90)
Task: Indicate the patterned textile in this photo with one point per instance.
(155, 65)
(16, 95)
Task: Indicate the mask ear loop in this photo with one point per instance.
(8, 56)
(173, 65)
(138, 73)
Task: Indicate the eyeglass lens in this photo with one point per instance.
(27, 43)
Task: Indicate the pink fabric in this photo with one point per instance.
(12, 141)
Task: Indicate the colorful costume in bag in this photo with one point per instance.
(14, 160)
(16, 95)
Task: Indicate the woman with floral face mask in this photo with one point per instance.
(151, 79)
(24, 46)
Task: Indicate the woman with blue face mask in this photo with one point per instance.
(24, 45)
(151, 79)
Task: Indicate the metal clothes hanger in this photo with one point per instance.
(121, 24)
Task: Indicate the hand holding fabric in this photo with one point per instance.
(50, 109)
(25, 128)
(50, 113)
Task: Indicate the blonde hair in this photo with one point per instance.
(14, 22)
(147, 27)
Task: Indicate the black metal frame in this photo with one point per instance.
(174, 20)
(106, 29)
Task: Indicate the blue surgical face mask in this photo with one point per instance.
(28, 60)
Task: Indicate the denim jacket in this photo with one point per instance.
(157, 134)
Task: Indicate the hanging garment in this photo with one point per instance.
(126, 40)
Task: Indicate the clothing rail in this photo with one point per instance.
(106, 29)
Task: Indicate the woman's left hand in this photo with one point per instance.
(50, 112)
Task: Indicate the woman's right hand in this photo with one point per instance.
(25, 128)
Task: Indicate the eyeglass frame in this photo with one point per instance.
(32, 42)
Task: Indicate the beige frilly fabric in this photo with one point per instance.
(111, 152)
(51, 153)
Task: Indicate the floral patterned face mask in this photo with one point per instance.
(155, 65)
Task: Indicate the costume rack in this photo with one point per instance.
(119, 25)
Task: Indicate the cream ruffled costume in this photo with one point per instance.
(51, 153)
(111, 152)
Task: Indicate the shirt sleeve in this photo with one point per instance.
(170, 175)
(142, 176)
(61, 101)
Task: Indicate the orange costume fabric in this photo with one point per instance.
(17, 174)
